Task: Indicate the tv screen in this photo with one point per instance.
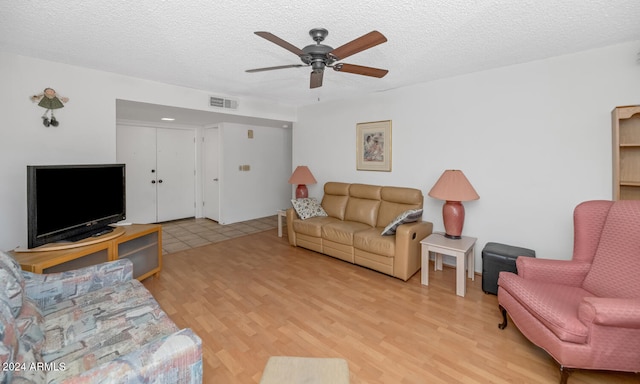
(71, 202)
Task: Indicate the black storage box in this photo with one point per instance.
(498, 257)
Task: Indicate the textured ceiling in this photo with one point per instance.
(208, 45)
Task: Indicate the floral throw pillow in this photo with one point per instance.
(409, 216)
(308, 207)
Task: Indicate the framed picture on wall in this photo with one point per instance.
(373, 146)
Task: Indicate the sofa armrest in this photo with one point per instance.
(176, 358)
(407, 258)
(565, 272)
(612, 312)
(291, 215)
(52, 288)
(414, 231)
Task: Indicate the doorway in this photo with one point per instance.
(160, 172)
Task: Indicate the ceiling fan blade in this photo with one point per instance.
(360, 70)
(367, 41)
(277, 67)
(316, 79)
(276, 40)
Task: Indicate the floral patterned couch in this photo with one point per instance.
(92, 325)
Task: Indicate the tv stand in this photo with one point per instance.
(141, 243)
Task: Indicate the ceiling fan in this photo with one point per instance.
(319, 56)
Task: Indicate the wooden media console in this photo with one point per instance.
(140, 243)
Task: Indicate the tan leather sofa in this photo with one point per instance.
(357, 214)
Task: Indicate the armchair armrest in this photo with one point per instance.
(566, 272)
(52, 288)
(176, 358)
(613, 312)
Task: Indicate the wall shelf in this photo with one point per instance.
(625, 124)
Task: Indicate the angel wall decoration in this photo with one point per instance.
(49, 100)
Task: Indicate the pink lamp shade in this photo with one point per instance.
(302, 176)
(453, 187)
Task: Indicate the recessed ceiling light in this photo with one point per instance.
(168, 119)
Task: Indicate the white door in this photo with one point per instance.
(211, 174)
(136, 147)
(160, 172)
(176, 174)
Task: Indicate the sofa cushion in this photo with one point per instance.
(100, 326)
(365, 191)
(409, 216)
(363, 204)
(370, 240)
(619, 241)
(11, 282)
(308, 207)
(28, 358)
(342, 231)
(29, 324)
(8, 339)
(396, 200)
(362, 211)
(313, 225)
(402, 195)
(335, 199)
(554, 305)
(30, 341)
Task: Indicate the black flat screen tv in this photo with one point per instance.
(71, 202)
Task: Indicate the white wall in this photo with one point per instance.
(263, 189)
(87, 131)
(534, 140)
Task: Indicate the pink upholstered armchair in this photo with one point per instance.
(585, 312)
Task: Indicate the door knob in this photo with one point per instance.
(160, 181)
(216, 179)
(153, 181)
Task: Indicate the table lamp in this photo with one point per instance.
(302, 176)
(453, 187)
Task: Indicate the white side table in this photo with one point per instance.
(281, 213)
(462, 249)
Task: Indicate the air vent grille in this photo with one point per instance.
(220, 102)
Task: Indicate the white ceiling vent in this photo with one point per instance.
(223, 103)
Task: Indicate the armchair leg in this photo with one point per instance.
(564, 374)
(503, 325)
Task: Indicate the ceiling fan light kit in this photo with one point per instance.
(319, 56)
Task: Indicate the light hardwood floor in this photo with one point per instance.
(255, 296)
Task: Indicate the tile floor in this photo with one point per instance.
(183, 234)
